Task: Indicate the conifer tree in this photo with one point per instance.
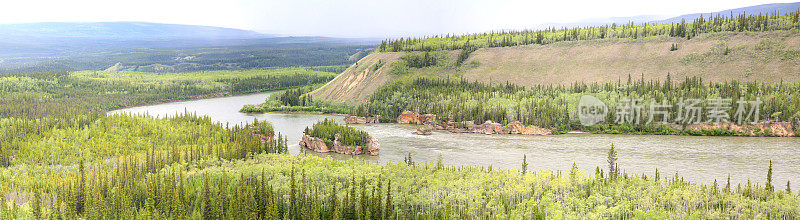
(79, 208)
(657, 175)
(208, 209)
(612, 161)
(728, 184)
(524, 164)
(389, 208)
(36, 208)
(768, 186)
(788, 187)
(293, 211)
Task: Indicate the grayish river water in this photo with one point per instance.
(699, 159)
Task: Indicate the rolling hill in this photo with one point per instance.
(755, 48)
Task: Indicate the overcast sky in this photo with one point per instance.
(353, 18)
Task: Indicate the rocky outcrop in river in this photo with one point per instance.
(361, 120)
(318, 145)
(777, 129)
(409, 117)
(423, 131)
(488, 127)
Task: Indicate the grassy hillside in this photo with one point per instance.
(766, 57)
(717, 57)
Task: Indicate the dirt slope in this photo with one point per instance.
(360, 80)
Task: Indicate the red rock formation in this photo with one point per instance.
(519, 128)
(423, 131)
(355, 120)
(361, 120)
(316, 144)
(427, 119)
(487, 127)
(263, 137)
(409, 117)
(779, 129)
(374, 119)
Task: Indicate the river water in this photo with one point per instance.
(698, 159)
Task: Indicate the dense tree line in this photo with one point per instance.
(556, 106)
(704, 24)
(297, 100)
(328, 129)
(296, 97)
(264, 83)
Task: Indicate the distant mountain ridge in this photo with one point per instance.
(65, 39)
(123, 31)
(781, 8)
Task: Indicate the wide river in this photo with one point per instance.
(699, 159)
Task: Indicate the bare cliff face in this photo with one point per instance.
(316, 144)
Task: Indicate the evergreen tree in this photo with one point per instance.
(612, 161)
(36, 208)
(293, 210)
(524, 164)
(657, 175)
(728, 184)
(388, 210)
(768, 186)
(788, 187)
(79, 205)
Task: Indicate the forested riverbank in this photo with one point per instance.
(687, 106)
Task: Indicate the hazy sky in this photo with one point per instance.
(353, 18)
